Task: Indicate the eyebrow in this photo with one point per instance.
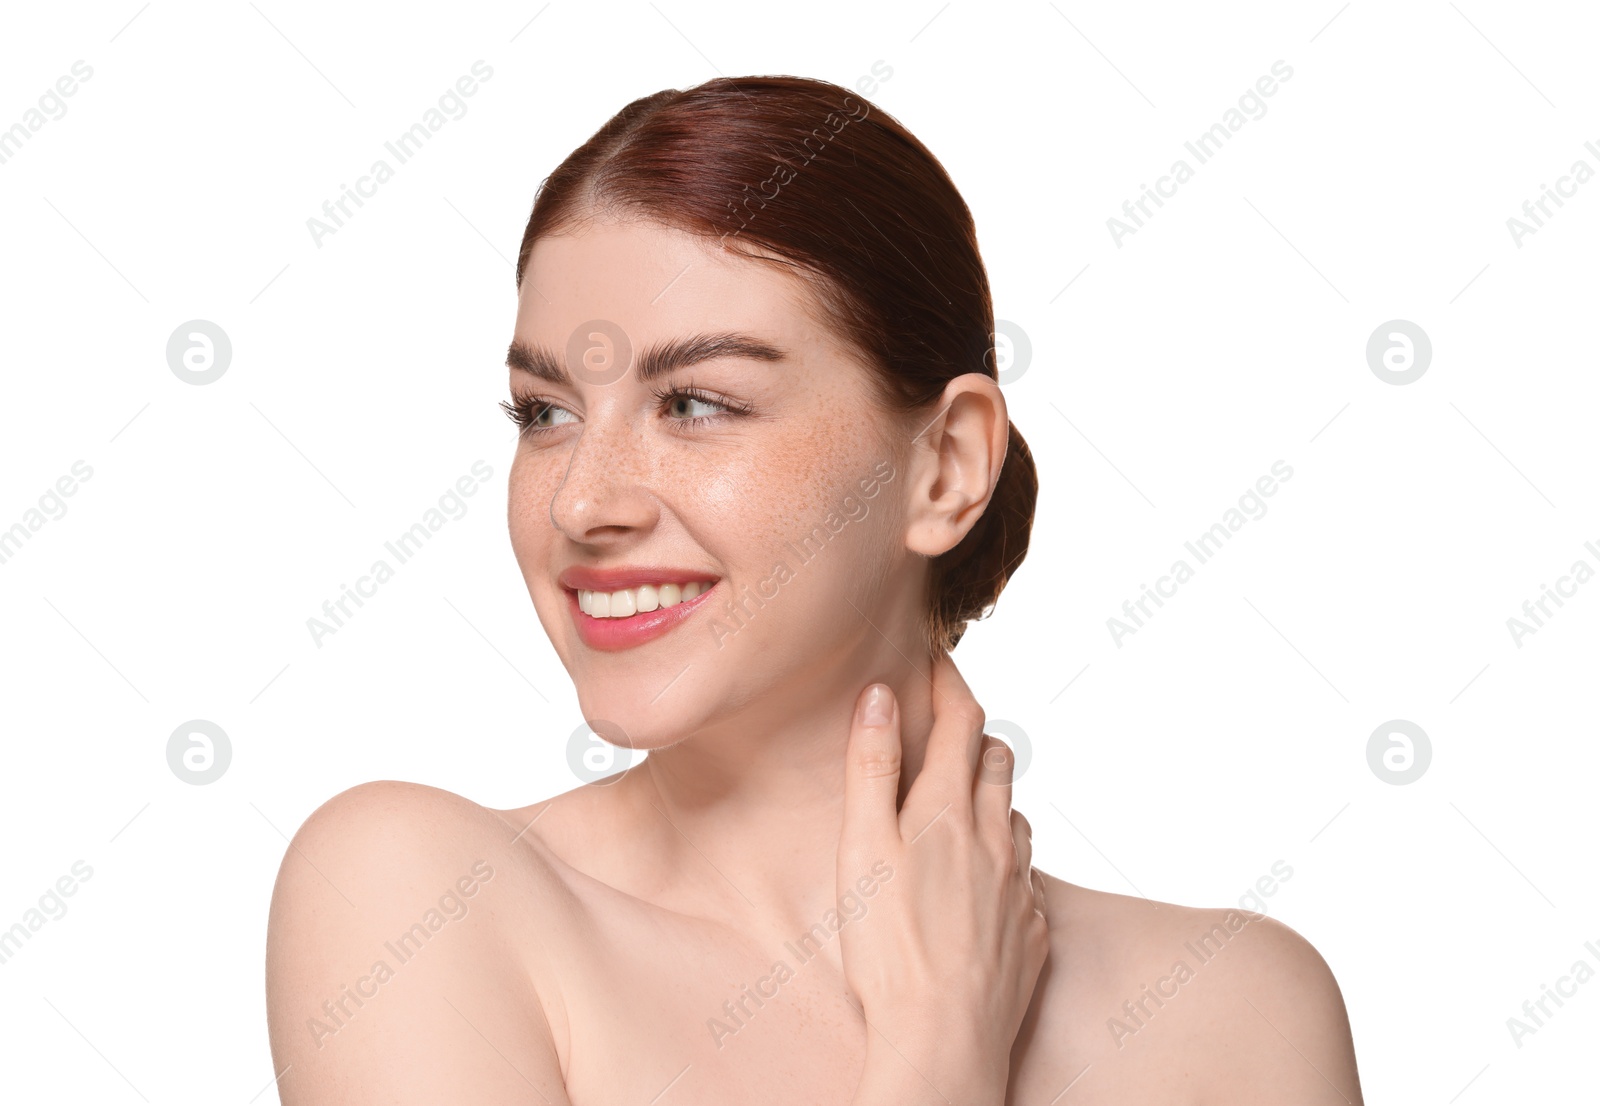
(658, 360)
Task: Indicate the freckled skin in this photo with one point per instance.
(624, 915)
(623, 486)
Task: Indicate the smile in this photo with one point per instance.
(640, 600)
(610, 621)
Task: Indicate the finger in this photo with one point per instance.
(1022, 837)
(956, 737)
(872, 773)
(991, 787)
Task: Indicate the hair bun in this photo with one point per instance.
(966, 582)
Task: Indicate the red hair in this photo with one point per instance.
(837, 190)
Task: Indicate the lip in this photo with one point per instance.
(611, 635)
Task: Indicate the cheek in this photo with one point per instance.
(783, 493)
(804, 507)
(529, 488)
(749, 508)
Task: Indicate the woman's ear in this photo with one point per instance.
(955, 464)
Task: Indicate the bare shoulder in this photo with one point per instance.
(1239, 1001)
(395, 953)
(388, 844)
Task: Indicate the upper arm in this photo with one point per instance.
(388, 976)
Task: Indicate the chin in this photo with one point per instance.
(621, 711)
(697, 676)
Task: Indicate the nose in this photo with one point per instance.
(604, 493)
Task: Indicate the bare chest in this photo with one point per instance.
(665, 1010)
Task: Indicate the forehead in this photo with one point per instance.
(656, 281)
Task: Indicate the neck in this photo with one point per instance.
(747, 819)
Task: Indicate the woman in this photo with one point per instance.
(765, 478)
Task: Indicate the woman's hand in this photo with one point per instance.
(945, 958)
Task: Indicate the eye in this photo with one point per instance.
(528, 411)
(677, 399)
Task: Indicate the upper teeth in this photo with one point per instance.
(629, 601)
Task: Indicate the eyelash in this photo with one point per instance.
(522, 409)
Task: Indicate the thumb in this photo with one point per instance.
(872, 774)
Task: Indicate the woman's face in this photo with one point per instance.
(779, 479)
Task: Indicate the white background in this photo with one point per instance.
(1228, 333)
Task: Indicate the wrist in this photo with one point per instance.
(902, 1073)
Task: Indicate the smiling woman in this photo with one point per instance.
(709, 372)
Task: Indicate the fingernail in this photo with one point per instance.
(875, 708)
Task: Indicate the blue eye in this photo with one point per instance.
(527, 410)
